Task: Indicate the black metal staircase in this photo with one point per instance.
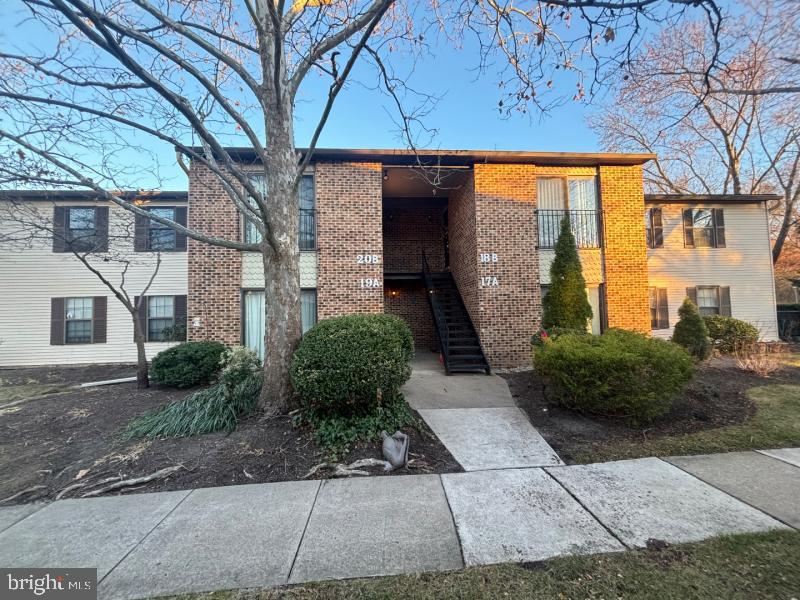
(458, 340)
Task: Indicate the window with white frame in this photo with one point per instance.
(160, 317)
(78, 320)
(708, 300)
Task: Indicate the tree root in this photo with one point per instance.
(76, 486)
(354, 468)
(161, 474)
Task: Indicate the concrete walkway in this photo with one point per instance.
(476, 418)
(145, 545)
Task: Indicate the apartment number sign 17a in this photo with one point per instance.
(488, 258)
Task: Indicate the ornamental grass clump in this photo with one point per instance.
(216, 408)
(619, 374)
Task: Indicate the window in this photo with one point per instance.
(659, 310)
(704, 228)
(654, 228)
(160, 318)
(78, 320)
(254, 327)
(711, 299)
(557, 197)
(307, 234)
(159, 236)
(81, 228)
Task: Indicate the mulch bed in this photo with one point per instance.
(49, 440)
(715, 398)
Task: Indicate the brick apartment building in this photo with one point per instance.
(457, 243)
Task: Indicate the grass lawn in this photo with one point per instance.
(776, 424)
(746, 567)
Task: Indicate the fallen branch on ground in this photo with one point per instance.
(76, 486)
(33, 488)
(354, 468)
(161, 474)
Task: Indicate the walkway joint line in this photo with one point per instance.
(305, 528)
(587, 509)
(144, 537)
(453, 519)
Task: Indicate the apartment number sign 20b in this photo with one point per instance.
(369, 283)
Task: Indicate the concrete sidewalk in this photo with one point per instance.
(476, 418)
(146, 545)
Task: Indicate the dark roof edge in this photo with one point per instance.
(725, 198)
(399, 156)
(60, 195)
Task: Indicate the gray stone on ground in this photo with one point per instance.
(769, 484)
(789, 455)
(490, 438)
(520, 515)
(10, 515)
(92, 532)
(378, 526)
(218, 538)
(429, 387)
(649, 498)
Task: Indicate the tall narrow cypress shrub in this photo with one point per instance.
(566, 304)
(691, 332)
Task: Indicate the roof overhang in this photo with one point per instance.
(710, 198)
(452, 158)
(90, 195)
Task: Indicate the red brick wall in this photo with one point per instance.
(464, 247)
(407, 232)
(349, 213)
(625, 250)
(215, 273)
(408, 300)
(505, 200)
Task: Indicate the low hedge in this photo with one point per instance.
(728, 334)
(187, 364)
(619, 373)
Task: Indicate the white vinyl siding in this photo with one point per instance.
(744, 265)
(31, 277)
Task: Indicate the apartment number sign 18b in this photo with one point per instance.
(369, 283)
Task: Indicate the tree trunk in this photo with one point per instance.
(783, 232)
(142, 371)
(281, 264)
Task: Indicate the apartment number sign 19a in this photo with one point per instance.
(369, 283)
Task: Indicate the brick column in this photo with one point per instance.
(625, 248)
(349, 211)
(510, 312)
(214, 294)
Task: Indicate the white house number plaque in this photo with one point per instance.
(488, 258)
(370, 283)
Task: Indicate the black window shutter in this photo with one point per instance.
(691, 292)
(140, 228)
(652, 292)
(99, 319)
(663, 309)
(648, 227)
(688, 228)
(719, 227)
(658, 228)
(180, 219)
(141, 316)
(180, 313)
(59, 229)
(603, 308)
(725, 301)
(101, 227)
(56, 321)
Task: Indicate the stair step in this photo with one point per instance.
(467, 357)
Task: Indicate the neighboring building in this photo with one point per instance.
(465, 261)
(715, 250)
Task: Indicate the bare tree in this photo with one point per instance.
(709, 143)
(204, 74)
(110, 258)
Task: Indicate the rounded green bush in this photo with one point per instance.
(690, 331)
(619, 373)
(729, 334)
(349, 364)
(187, 364)
(403, 331)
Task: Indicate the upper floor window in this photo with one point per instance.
(703, 228)
(654, 228)
(153, 236)
(80, 229)
(557, 197)
(307, 234)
